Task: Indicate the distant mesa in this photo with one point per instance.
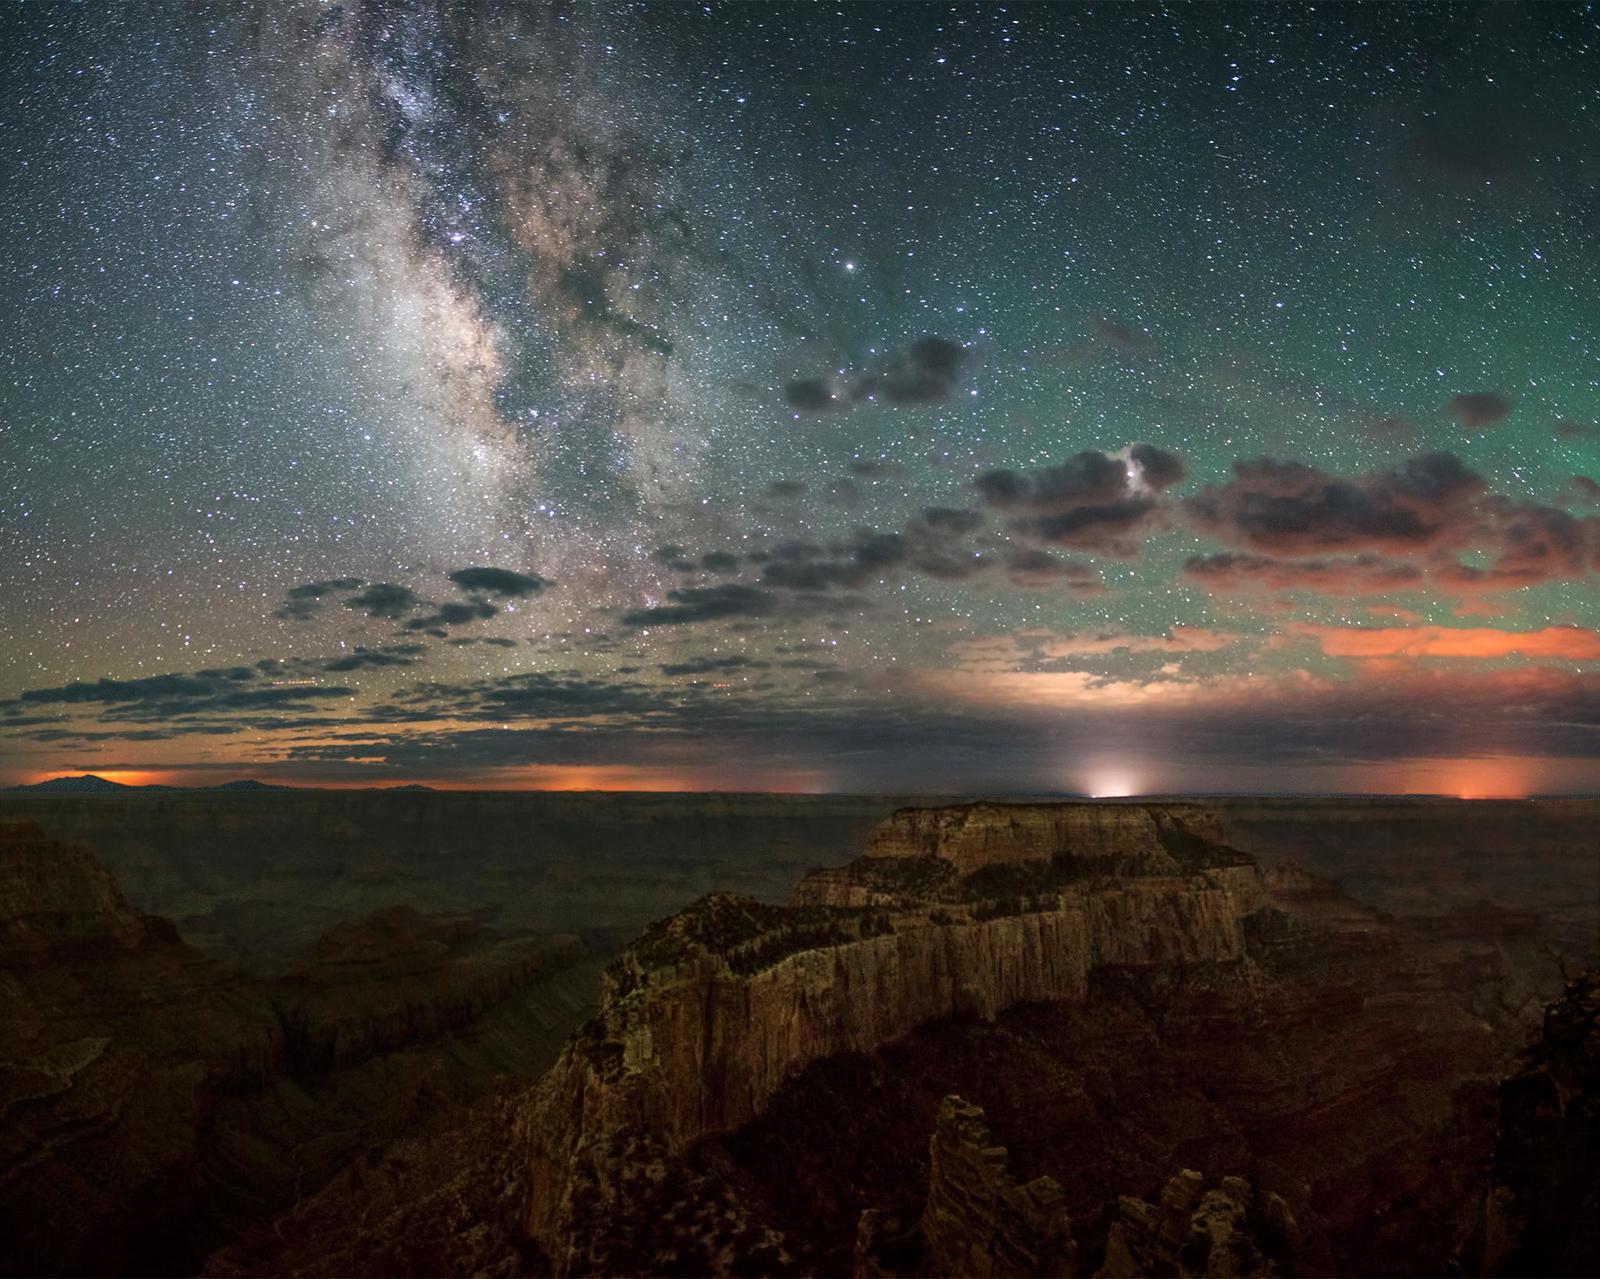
(413, 786)
(91, 784)
(83, 784)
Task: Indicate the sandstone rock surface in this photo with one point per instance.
(977, 1219)
(713, 1011)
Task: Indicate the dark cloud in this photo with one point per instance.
(300, 603)
(564, 695)
(198, 686)
(384, 599)
(926, 372)
(786, 489)
(1232, 571)
(936, 743)
(814, 395)
(1108, 528)
(704, 604)
(935, 543)
(1586, 488)
(1570, 430)
(949, 520)
(1431, 508)
(1155, 468)
(1291, 509)
(495, 641)
(713, 665)
(1528, 544)
(1093, 501)
(1476, 410)
(453, 613)
(676, 558)
(374, 658)
(498, 581)
(159, 697)
(1034, 569)
(866, 557)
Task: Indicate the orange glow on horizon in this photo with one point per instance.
(125, 776)
(629, 777)
(1488, 777)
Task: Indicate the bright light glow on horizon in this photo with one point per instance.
(1113, 781)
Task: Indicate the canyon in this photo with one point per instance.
(155, 1102)
(1007, 1038)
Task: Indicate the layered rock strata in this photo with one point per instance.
(153, 1101)
(1222, 1231)
(977, 1221)
(713, 1011)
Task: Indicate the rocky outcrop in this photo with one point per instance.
(1542, 1214)
(977, 1221)
(153, 1101)
(1121, 838)
(1345, 1064)
(1226, 1231)
(55, 895)
(713, 1011)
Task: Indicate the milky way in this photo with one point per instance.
(877, 397)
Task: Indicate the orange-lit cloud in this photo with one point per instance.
(1571, 643)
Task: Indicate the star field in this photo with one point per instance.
(865, 397)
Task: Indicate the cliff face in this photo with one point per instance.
(711, 1013)
(399, 978)
(1542, 1215)
(977, 1221)
(1131, 837)
(1346, 1065)
(54, 894)
(1225, 1231)
(153, 1101)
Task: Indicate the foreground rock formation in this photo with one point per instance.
(964, 912)
(977, 1220)
(154, 1102)
(1111, 979)
(1542, 1214)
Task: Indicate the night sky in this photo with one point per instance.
(917, 398)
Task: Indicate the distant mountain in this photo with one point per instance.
(84, 784)
(412, 786)
(89, 784)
